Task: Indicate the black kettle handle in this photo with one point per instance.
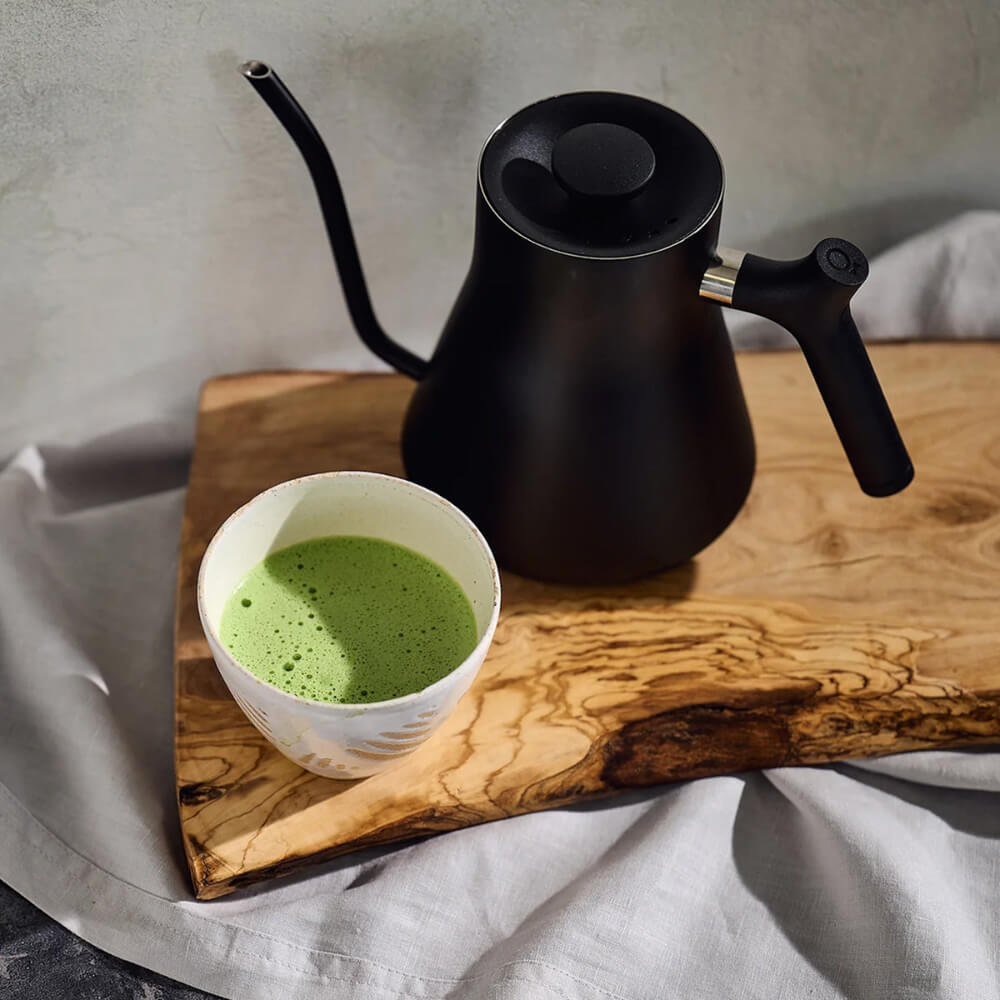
(811, 298)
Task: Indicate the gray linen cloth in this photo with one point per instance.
(876, 879)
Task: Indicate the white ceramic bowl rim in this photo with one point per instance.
(345, 707)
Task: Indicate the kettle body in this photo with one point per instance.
(583, 405)
(585, 412)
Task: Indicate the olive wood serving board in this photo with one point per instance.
(823, 625)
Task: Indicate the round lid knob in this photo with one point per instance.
(602, 160)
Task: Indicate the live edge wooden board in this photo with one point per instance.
(823, 625)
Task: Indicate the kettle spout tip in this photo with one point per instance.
(254, 69)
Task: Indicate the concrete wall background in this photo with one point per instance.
(157, 226)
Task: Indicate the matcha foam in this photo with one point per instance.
(348, 619)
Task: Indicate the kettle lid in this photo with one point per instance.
(599, 174)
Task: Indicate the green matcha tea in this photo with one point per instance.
(348, 619)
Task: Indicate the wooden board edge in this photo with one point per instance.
(241, 387)
(207, 887)
(177, 661)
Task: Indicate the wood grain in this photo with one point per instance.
(823, 625)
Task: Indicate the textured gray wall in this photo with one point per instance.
(157, 227)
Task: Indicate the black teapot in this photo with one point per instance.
(582, 405)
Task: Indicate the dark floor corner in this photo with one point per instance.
(41, 959)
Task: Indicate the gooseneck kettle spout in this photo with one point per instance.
(338, 225)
